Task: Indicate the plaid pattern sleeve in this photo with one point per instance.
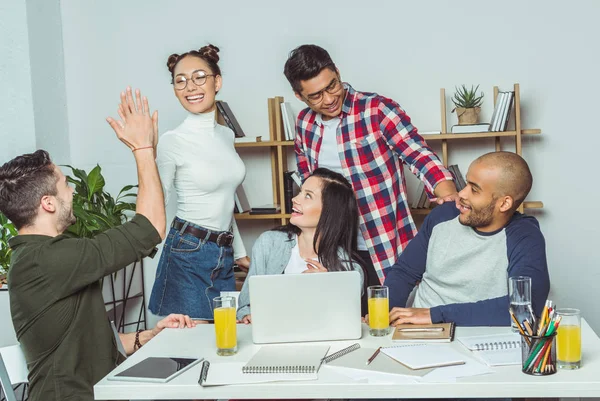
(304, 166)
(374, 139)
(403, 138)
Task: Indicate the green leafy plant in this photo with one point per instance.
(467, 98)
(95, 209)
(7, 231)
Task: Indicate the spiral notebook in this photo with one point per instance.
(348, 359)
(287, 358)
(495, 349)
(271, 363)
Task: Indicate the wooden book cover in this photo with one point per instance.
(435, 332)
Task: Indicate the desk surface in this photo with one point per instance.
(505, 381)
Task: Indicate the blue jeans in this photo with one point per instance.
(191, 272)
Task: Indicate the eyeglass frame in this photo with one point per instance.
(326, 89)
(191, 79)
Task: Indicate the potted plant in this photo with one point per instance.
(468, 104)
(95, 209)
(7, 231)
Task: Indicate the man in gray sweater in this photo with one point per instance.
(465, 252)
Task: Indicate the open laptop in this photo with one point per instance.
(305, 307)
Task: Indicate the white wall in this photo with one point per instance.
(48, 78)
(17, 131)
(404, 50)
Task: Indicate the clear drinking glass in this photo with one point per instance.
(225, 325)
(569, 338)
(379, 310)
(519, 292)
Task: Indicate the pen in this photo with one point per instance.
(416, 329)
(373, 356)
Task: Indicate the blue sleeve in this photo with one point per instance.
(402, 277)
(526, 252)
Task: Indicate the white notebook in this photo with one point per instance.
(382, 363)
(422, 356)
(495, 349)
(221, 374)
(287, 358)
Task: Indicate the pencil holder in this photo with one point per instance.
(538, 354)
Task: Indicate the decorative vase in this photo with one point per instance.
(467, 116)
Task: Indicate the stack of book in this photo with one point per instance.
(289, 121)
(421, 200)
(266, 209)
(290, 190)
(502, 111)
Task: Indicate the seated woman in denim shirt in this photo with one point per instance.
(321, 235)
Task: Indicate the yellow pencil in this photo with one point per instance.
(545, 360)
(514, 318)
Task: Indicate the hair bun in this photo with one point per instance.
(211, 52)
(172, 61)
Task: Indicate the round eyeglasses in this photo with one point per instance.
(198, 77)
(334, 87)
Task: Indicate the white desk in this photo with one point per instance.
(506, 381)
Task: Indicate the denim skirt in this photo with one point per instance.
(191, 272)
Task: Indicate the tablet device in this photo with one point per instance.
(159, 369)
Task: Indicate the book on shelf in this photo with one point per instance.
(422, 199)
(288, 190)
(246, 139)
(497, 111)
(506, 112)
(289, 122)
(468, 128)
(266, 209)
(241, 200)
(459, 180)
(229, 117)
(502, 111)
(435, 333)
(420, 189)
(297, 179)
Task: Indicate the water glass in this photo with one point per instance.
(519, 293)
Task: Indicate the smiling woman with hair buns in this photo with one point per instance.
(198, 162)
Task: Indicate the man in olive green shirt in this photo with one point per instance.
(54, 281)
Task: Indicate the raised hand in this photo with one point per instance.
(136, 128)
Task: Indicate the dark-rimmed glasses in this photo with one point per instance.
(334, 87)
(198, 77)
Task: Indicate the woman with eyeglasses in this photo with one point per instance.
(197, 161)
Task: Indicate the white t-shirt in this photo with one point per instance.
(296, 263)
(199, 160)
(330, 158)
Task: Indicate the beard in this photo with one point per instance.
(479, 217)
(66, 217)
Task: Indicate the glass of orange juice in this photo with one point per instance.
(379, 310)
(225, 325)
(568, 339)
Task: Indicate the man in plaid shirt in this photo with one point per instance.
(367, 138)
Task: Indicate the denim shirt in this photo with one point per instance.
(270, 255)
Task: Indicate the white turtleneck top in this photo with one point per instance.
(198, 159)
